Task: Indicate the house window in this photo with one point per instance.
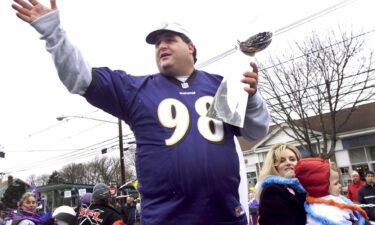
(362, 159)
(305, 153)
(357, 155)
(371, 153)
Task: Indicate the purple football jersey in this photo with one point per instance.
(187, 165)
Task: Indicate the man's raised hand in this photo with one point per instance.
(251, 78)
(32, 10)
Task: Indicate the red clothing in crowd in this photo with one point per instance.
(353, 190)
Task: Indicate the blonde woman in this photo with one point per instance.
(27, 207)
(279, 193)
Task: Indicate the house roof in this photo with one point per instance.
(361, 118)
(246, 145)
(62, 186)
(16, 182)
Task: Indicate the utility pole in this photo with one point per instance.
(121, 146)
(120, 140)
(2, 155)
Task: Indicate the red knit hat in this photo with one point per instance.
(313, 174)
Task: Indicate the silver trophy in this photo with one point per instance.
(230, 101)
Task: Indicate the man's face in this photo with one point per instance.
(129, 199)
(369, 178)
(173, 55)
(355, 178)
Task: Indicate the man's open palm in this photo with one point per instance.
(32, 10)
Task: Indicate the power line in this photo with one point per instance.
(63, 156)
(282, 30)
(317, 50)
(314, 51)
(44, 129)
(313, 16)
(352, 91)
(89, 151)
(76, 134)
(314, 86)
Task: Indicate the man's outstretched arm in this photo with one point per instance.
(72, 69)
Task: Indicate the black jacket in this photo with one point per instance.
(278, 206)
(126, 209)
(98, 214)
(366, 195)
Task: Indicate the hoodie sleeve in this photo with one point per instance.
(257, 119)
(72, 69)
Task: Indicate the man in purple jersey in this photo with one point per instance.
(188, 165)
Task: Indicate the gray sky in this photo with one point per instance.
(111, 33)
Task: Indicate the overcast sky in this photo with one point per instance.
(111, 33)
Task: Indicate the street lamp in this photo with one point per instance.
(61, 118)
(120, 140)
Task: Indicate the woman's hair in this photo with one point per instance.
(25, 196)
(272, 161)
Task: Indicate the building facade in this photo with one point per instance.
(56, 195)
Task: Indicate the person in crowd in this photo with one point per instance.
(188, 165)
(65, 215)
(26, 210)
(280, 194)
(253, 207)
(119, 207)
(128, 207)
(100, 212)
(138, 204)
(86, 199)
(133, 216)
(26, 213)
(324, 203)
(366, 194)
(354, 187)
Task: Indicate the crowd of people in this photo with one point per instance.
(95, 208)
(291, 191)
(296, 191)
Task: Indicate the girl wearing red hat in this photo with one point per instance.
(280, 195)
(324, 205)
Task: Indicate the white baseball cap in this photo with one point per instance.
(65, 215)
(172, 27)
(355, 173)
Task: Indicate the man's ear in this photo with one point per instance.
(191, 47)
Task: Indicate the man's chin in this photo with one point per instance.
(166, 69)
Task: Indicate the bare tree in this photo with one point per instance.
(108, 170)
(33, 179)
(129, 155)
(99, 170)
(308, 92)
(74, 173)
(39, 180)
